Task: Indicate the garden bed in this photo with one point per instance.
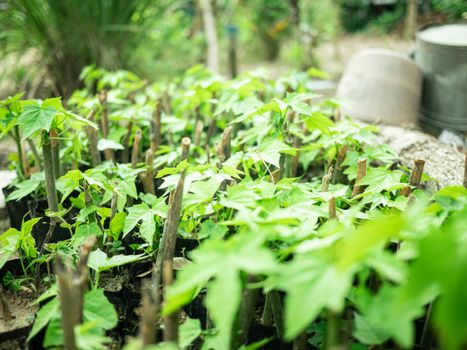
(205, 213)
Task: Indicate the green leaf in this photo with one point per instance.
(141, 213)
(44, 315)
(99, 310)
(366, 333)
(23, 189)
(68, 183)
(220, 262)
(319, 121)
(117, 224)
(90, 337)
(99, 261)
(8, 244)
(35, 118)
(189, 331)
(211, 229)
(83, 232)
(27, 241)
(379, 179)
(311, 283)
(270, 151)
(104, 144)
(224, 290)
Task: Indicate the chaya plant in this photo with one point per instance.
(49, 121)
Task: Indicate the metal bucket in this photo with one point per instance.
(381, 86)
(441, 54)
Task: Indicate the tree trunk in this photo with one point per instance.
(211, 35)
(410, 19)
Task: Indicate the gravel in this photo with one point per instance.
(443, 162)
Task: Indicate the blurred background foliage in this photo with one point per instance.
(46, 43)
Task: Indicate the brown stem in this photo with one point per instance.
(80, 280)
(198, 131)
(166, 254)
(226, 142)
(212, 128)
(134, 153)
(417, 172)
(294, 166)
(361, 172)
(69, 317)
(113, 205)
(185, 147)
(87, 194)
(93, 141)
(245, 315)
(338, 168)
(156, 127)
(170, 321)
(105, 116)
(148, 325)
(25, 160)
(52, 199)
(326, 179)
(405, 191)
(126, 143)
(332, 208)
(148, 176)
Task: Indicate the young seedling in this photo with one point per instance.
(164, 260)
(361, 172)
(168, 249)
(49, 169)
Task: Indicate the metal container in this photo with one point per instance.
(441, 54)
(381, 85)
